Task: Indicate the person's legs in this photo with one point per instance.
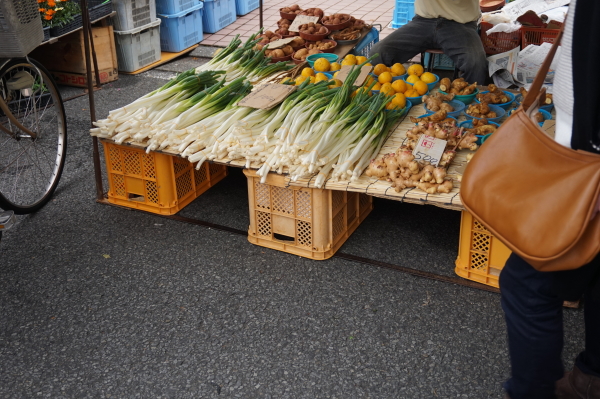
(406, 42)
(462, 44)
(535, 331)
(589, 360)
(532, 302)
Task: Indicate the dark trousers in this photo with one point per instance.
(532, 303)
(459, 41)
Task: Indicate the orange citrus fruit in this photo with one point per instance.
(399, 86)
(398, 69)
(400, 100)
(428, 77)
(412, 79)
(376, 87)
(379, 69)
(386, 88)
(411, 93)
(415, 69)
(421, 87)
(385, 77)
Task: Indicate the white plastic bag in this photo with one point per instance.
(505, 27)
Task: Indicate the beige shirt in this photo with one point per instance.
(461, 11)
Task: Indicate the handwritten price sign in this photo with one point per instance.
(267, 96)
(429, 149)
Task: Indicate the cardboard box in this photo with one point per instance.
(66, 58)
(80, 79)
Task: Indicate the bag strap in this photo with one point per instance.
(536, 88)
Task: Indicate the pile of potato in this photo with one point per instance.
(303, 53)
(280, 52)
(284, 28)
(266, 38)
(335, 19)
(320, 45)
(312, 12)
(298, 42)
(313, 29)
(295, 9)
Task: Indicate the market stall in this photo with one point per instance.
(319, 132)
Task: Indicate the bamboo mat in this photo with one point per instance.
(381, 188)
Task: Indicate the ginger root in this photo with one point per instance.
(377, 168)
(445, 85)
(436, 117)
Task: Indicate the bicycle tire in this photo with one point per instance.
(20, 189)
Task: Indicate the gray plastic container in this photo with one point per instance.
(132, 14)
(138, 47)
(20, 27)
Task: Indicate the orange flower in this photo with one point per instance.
(50, 12)
(51, 3)
(40, 1)
(47, 17)
(42, 10)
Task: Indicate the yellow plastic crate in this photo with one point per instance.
(154, 182)
(309, 222)
(481, 256)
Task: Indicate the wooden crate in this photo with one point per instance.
(66, 58)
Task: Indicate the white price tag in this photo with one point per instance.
(429, 149)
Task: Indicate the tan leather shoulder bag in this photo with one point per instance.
(537, 196)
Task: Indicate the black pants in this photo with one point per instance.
(532, 303)
(459, 41)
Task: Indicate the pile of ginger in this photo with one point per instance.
(404, 171)
(458, 86)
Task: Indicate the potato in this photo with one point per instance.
(259, 47)
(283, 31)
(286, 10)
(323, 30)
(295, 7)
(278, 53)
(298, 42)
(283, 21)
(269, 34)
(287, 50)
(336, 21)
(268, 52)
(297, 12)
(311, 30)
(318, 11)
(302, 52)
(313, 51)
(274, 38)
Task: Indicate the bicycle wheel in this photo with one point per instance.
(30, 168)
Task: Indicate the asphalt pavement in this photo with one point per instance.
(98, 301)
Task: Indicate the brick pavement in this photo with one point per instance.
(371, 11)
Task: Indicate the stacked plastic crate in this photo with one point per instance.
(218, 14)
(181, 23)
(137, 34)
(403, 13)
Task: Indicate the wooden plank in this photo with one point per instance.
(164, 58)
